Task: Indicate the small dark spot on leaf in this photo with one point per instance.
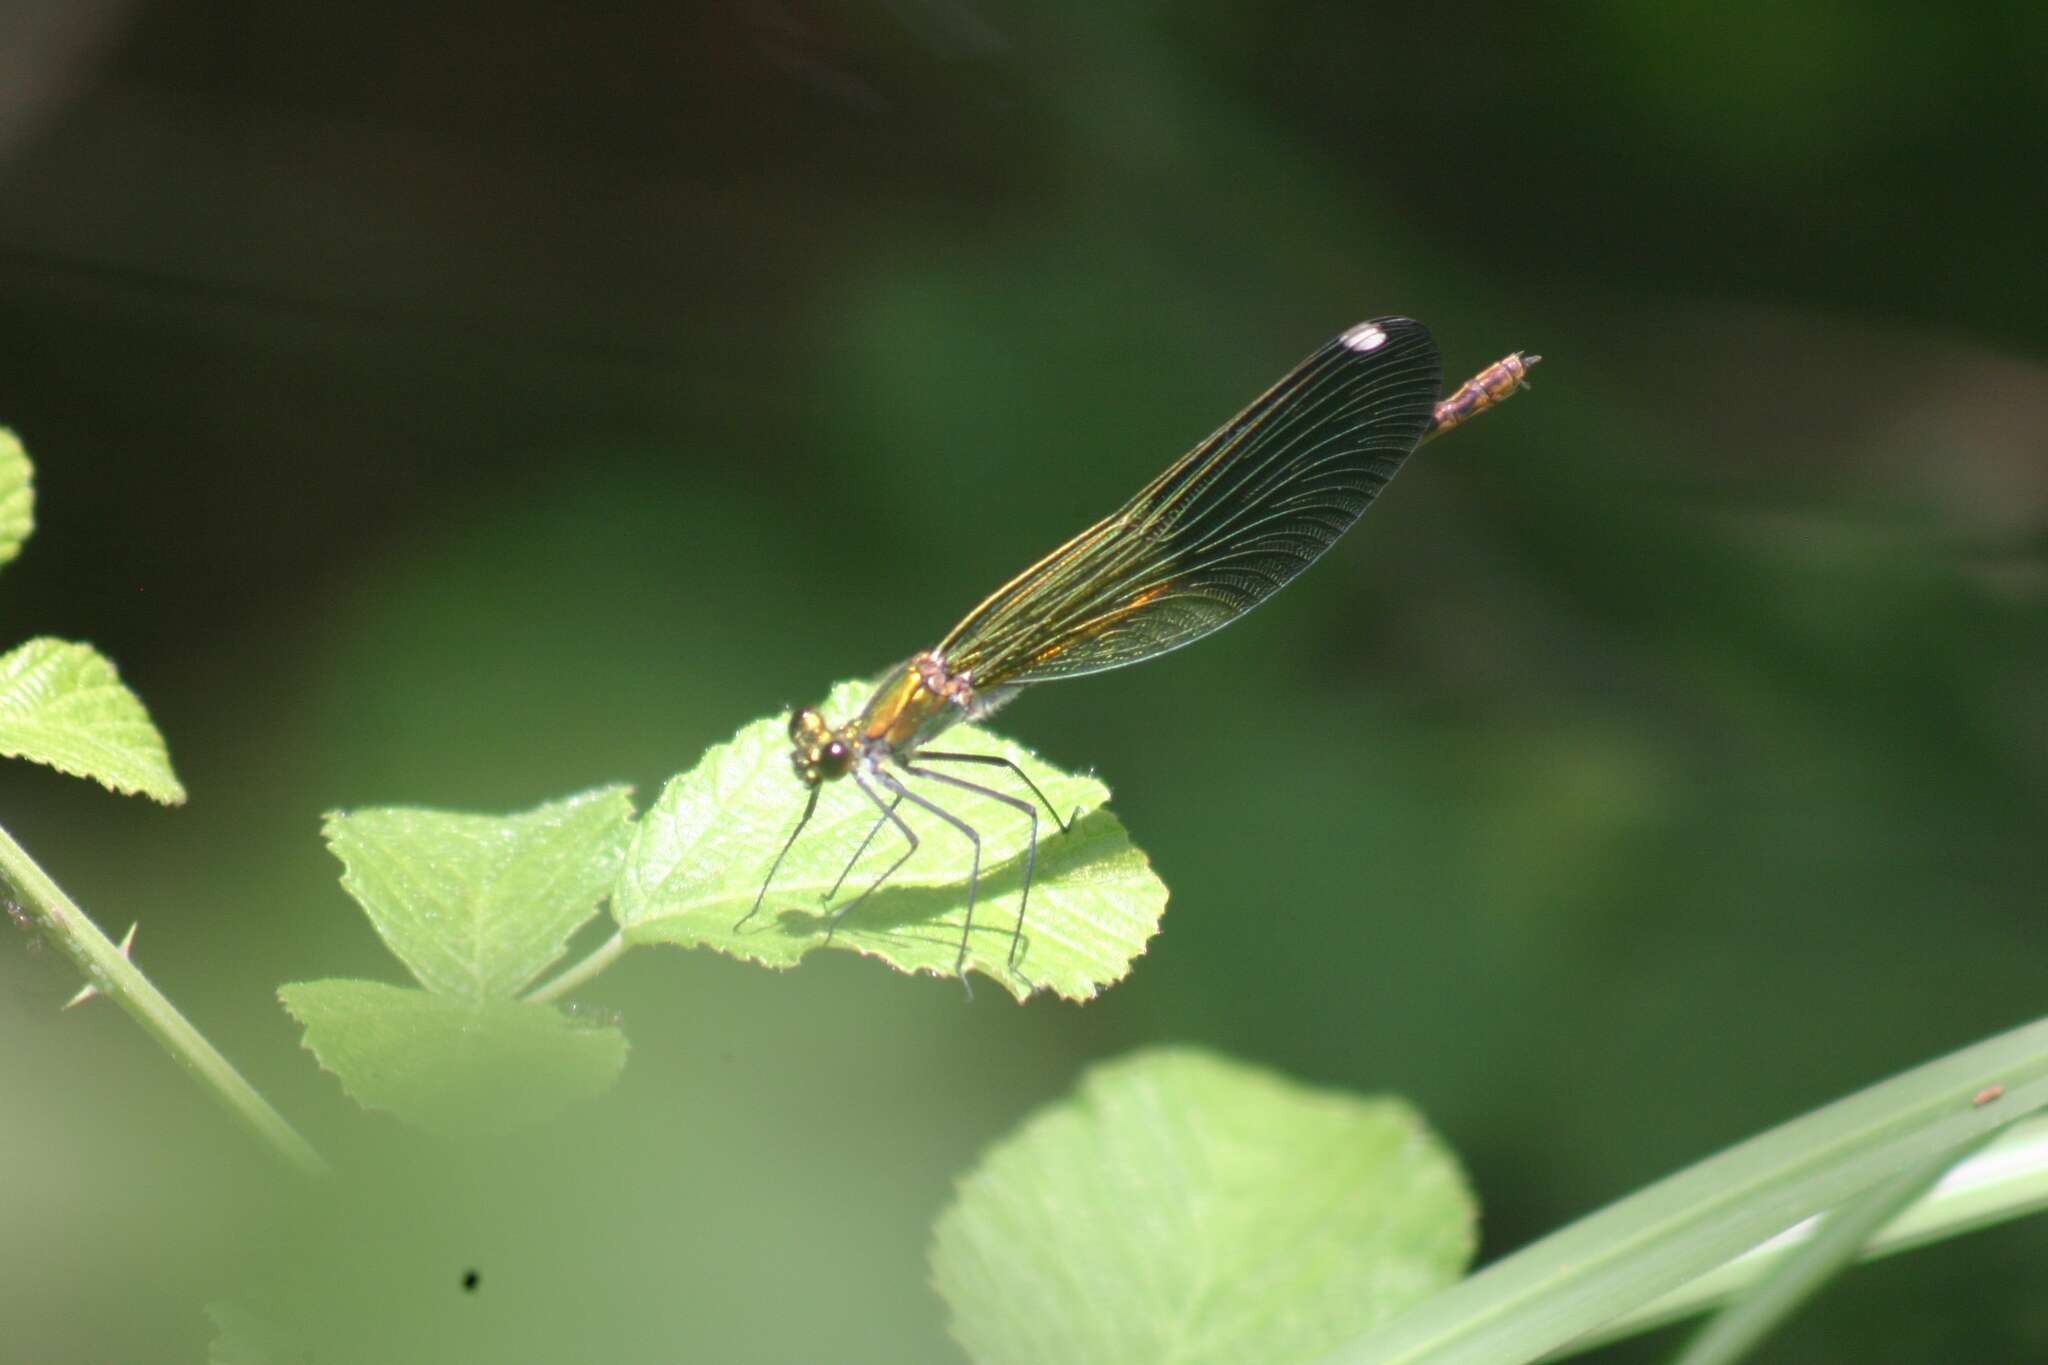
(469, 1281)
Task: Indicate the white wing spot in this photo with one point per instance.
(1366, 336)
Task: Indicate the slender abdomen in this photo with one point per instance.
(1496, 383)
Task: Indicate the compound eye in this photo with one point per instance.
(835, 758)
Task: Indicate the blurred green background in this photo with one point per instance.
(469, 404)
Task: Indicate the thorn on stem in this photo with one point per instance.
(90, 989)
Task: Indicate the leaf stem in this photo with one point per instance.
(602, 957)
(110, 973)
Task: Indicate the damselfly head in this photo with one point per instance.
(819, 755)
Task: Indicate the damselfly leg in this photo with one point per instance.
(1017, 939)
(998, 761)
(810, 809)
(873, 830)
(887, 815)
(973, 868)
(910, 842)
(1030, 853)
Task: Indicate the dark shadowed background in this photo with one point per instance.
(471, 404)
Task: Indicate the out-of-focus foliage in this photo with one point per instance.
(17, 496)
(63, 705)
(536, 400)
(1185, 1207)
(478, 906)
(455, 1067)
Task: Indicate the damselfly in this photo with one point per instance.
(1225, 527)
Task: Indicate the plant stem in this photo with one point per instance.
(602, 957)
(110, 972)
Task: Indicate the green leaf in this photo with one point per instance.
(1185, 1208)
(1568, 1286)
(698, 857)
(62, 704)
(2005, 1181)
(1738, 1330)
(477, 906)
(17, 496)
(453, 1067)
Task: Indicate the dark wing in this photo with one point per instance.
(1223, 529)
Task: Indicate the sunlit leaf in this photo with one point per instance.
(63, 705)
(17, 496)
(698, 856)
(1188, 1209)
(477, 906)
(453, 1067)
